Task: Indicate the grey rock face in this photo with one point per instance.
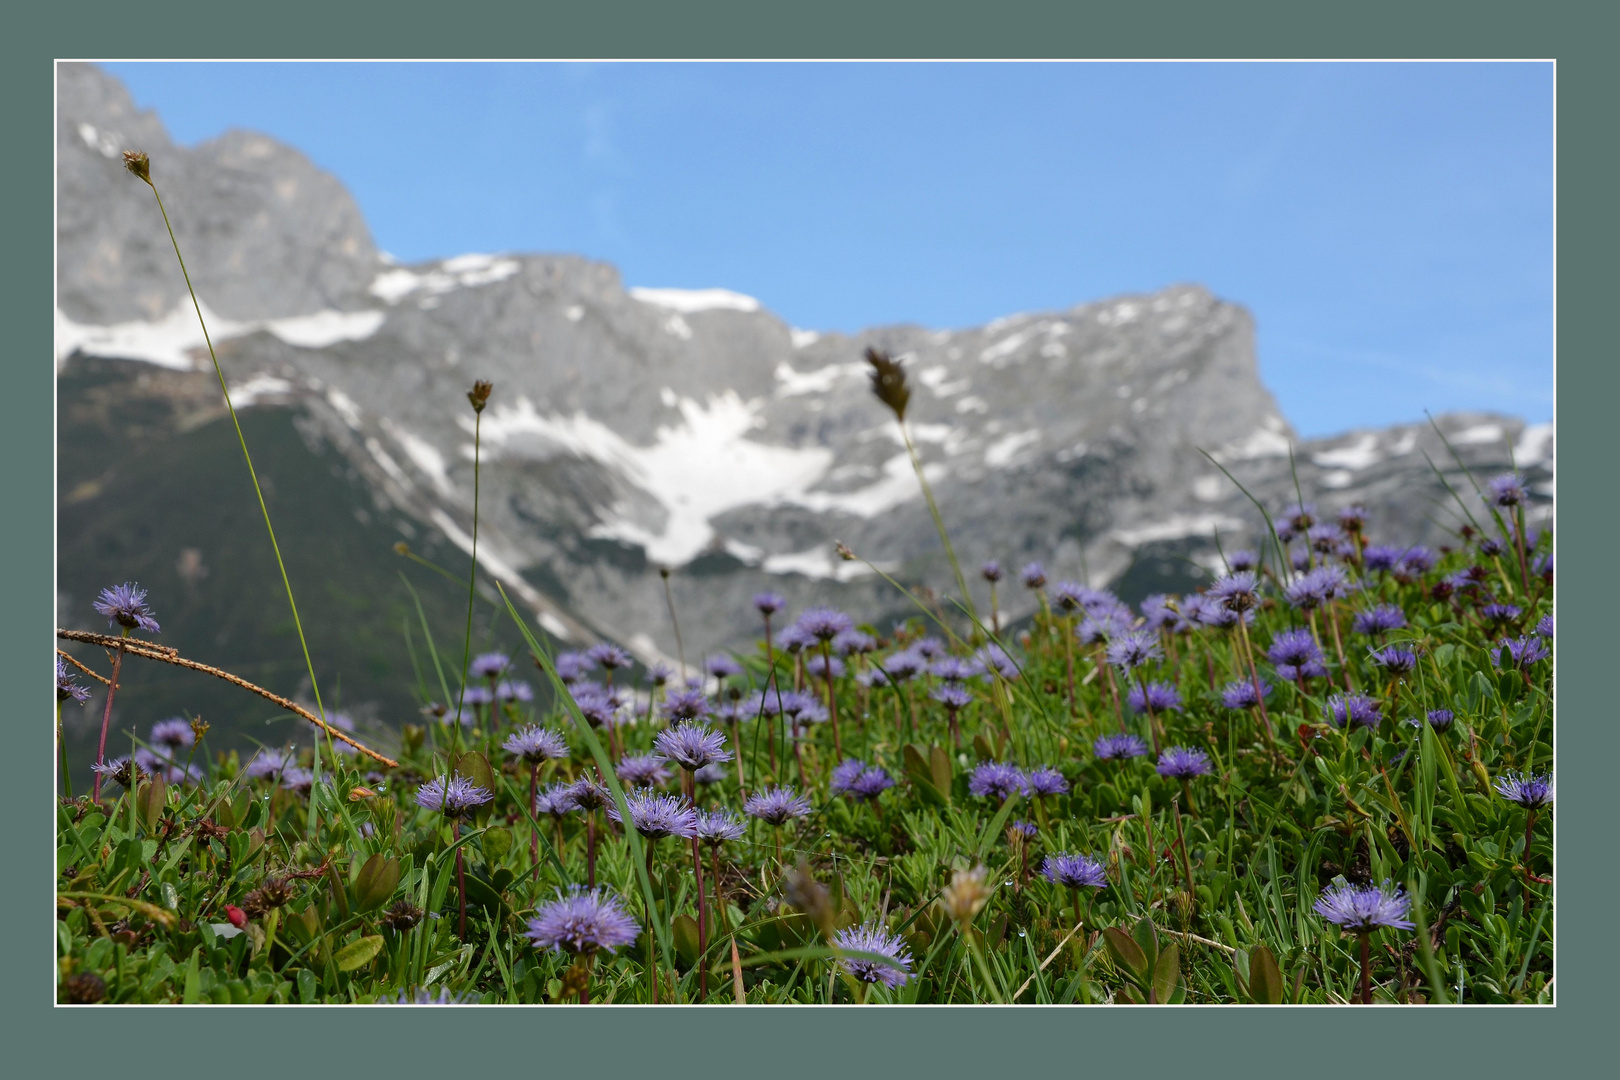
(636, 429)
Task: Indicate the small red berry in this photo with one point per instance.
(237, 916)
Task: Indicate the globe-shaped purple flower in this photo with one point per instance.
(1074, 871)
(489, 665)
(998, 780)
(1241, 695)
(582, 923)
(1133, 648)
(768, 603)
(1236, 592)
(572, 666)
(1378, 620)
(951, 669)
(1505, 490)
(1394, 659)
(656, 816)
(692, 746)
(903, 665)
(1158, 697)
(67, 686)
(1519, 652)
(536, 744)
(952, 695)
(1113, 747)
(455, 797)
(776, 806)
(125, 605)
(715, 827)
(1242, 559)
(175, 733)
(1346, 709)
(893, 970)
(856, 779)
(721, 666)
(1182, 763)
(1529, 791)
(642, 770)
(1045, 781)
(991, 571)
(513, 690)
(824, 623)
(608, 657)
(1033, 576)
(556, 800)
(268, 762)
(1364, 908)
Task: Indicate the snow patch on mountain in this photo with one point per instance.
(691, 300)
(176, 340)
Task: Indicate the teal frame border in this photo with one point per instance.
(807, 1041)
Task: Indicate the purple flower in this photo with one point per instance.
(642, 770)
(824, 623)
(1519, 652)
(721, 666)
(1074, 871)
(991, 571)
(1505, 490)
(1242, 559)
(1157, 696)
(660, 673)
(823, 667)
(513, 690)
(457, 797)
(858, 780)
(795, 638)
(998, 780)
(1362, 908)
(1157, 614)
(1070, 595)
(768, 603)
(1439, 719)
(1414, 563)
(1323, 538)
(871, 677)
(1236, 592)
(1544, 628)
(489, 665)
(1033, 576)
(1530, 792)
(1300, 516)
(993, 657)
(929, 648)
(692, 745)
(173, 733)
(587, 795)
(426, 996)
(1346, 709)
(952, 695)
(582, 922)
(608, 656)
(268, 762)
(1133, 648)
(893, 971)
(903, 665)
(1490, 547)
(1109, 747)
(118, 770)
(477, 695)
(1500, 614)
(951, 669)
(67, 687)
(1295, 648)
(1183, 763)
(1046, 780)
(302, 781)
(1300, 560)
(1316, 587)
(557, 800)
(1352, 518)
(125, 605)
(1024, 829)
(1395, 660)
(686, 705)
(854, 643)
(1241, 695)
(572, 666)
(536, 744)
(716, 827)
(657, 816)
(1099, 628)
(1378, 620)
(1380, 557)
(776, 806)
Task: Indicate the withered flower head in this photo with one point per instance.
(199, 727)
(83, 988)
(843, 551)
(804, 892)
(966, 895)
(401, 548)
(138, 163)
(274, 893)
(401, 916)
(889, 382)
(479, 394)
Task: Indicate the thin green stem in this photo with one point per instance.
(472, 584)
(939, 520)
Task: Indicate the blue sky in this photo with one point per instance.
(1390, 226)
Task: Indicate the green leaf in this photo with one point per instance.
(940, 762)
(921, 776)
(378, 879)
(357, 954)
(1165, 973)
(307, 988)
(150, 801)
(496, 842)
(1148, 939)
(1265, 980)
(982, 748)
(685, 931)
(1126, 952)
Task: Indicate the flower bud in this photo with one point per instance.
(138, 163)
(479, 394)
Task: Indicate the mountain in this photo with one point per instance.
(630, 430)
